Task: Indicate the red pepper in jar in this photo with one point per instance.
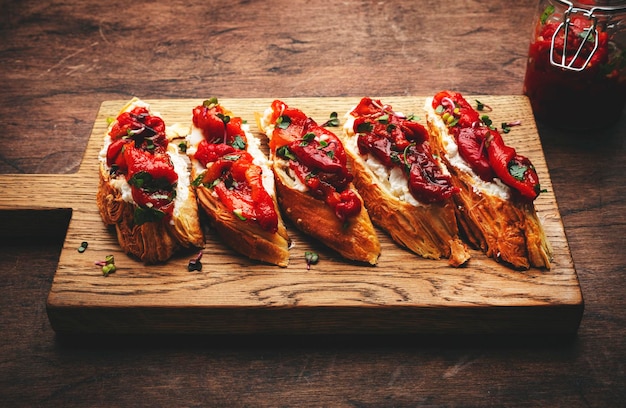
(576, 69)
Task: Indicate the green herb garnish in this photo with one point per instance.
(413, 117)
(210, 103)
(333, 121)
(145, 181)
(364, 127)
(283, 122)
(198, 180)
(482, 106)
(239, 214)
(194, 263)
(517, 171)
(547, 12)
(286, 153)
(311, 259)
(225, 118)
(108, 265)
(487, 121)
(239, 143)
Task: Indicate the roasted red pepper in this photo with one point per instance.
(317, 155)
(483, 148)
(471, 143)
(217, 125)
(138, 125)
(138, 151)
(239, 185)
(230, 170)
(209, 152)
(115, 156)
(152, 178)
(514, 170)
(427, 182)
(399, 142)
(317, 158)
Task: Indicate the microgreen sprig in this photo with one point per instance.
(333, 121)
(108, 265)
(194, 263)
(311, 259)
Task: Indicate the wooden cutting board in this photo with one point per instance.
(402, 294)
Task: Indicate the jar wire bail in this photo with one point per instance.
(577, 62)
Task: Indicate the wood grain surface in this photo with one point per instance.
(59, 60)
(402, 294)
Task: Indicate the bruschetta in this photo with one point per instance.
(407, 191)
(497, 186)
(145, 189)
(235, 184)
(314, 185)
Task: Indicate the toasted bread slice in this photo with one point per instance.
(320, 201)
(156, 238)
(247, 234)
(493, 216)
(428, 229)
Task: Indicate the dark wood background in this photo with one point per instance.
(60, 59)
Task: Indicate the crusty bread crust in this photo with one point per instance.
(506, 230)
(247, 238)
(354, 239)
(151, 242)
(429, 230)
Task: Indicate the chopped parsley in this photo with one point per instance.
(239, 143)
(283, 122)
(286, 153)
(517, 171)
(364, 127)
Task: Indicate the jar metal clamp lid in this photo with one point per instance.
(577, 62)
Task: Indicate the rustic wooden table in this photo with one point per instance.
(60, 60)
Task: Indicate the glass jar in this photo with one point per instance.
(576, 69)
